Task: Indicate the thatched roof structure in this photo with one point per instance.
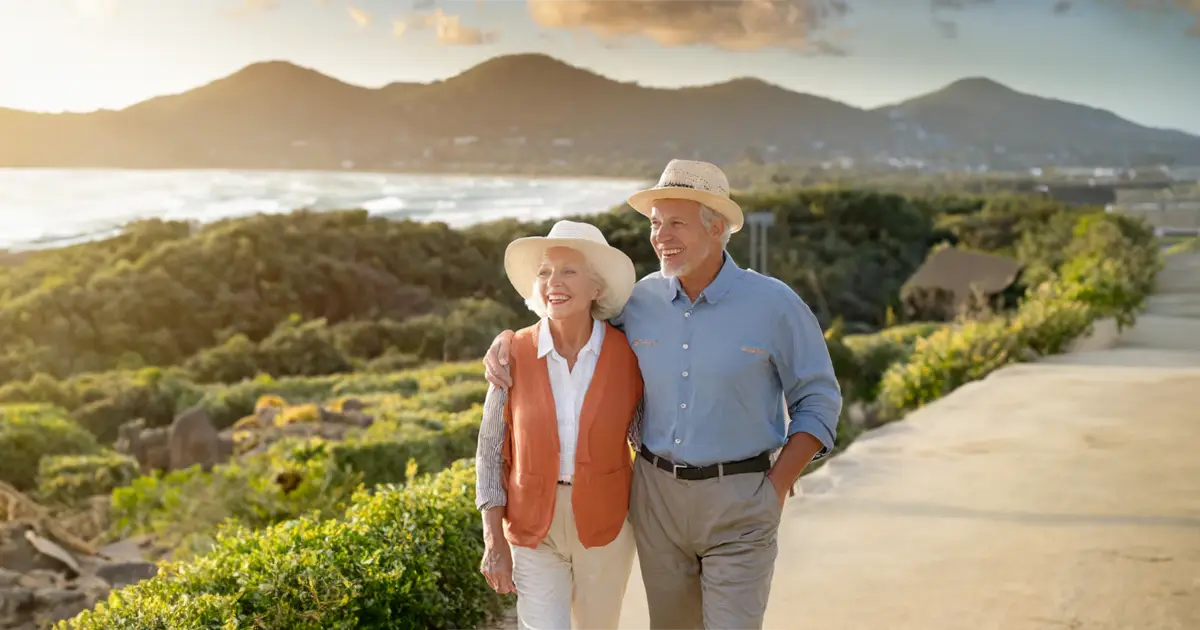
(958, 270)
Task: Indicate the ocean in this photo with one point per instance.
(42, 208)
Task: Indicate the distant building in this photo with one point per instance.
(951, 278)
(1079, 195)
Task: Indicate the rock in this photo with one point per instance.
(93, 588)
(37, 597)
(128, 550)
(8, 578)
(57, 604)
(147, 446)
(352, 404)
(18, 554)
(359, 419)
(120, 574)
(266, 416)
(194, 440)
(42, 579)
(51, 548)
(15, 602)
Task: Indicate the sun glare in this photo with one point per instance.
(96, 8)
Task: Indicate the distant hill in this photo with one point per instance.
(991, 122)
(533, 112)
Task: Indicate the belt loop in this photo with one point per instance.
(721, 470)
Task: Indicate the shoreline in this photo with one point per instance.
(15, 253)
(317, 171)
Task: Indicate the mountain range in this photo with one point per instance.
(533, 112)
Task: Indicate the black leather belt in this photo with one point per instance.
(758, 463)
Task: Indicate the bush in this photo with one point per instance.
(30, 432)
(69, 479)
(401, 558)
(301, 476)
(1187, 246)
(1111, 267)
(183, 508)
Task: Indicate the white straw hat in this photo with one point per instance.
(697, 181)
(522, 257)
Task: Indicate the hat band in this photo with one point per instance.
(673, 185)
(718, 192)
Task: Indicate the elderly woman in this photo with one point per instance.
(554, 463)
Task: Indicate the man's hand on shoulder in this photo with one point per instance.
(495, 364)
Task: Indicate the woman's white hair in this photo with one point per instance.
(600, 310)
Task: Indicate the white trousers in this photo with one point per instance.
(560, 580)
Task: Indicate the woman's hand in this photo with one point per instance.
(497, 566)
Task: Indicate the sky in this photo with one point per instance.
(1137, 58)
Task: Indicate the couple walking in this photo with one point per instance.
(718, 378)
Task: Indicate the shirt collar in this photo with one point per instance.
(546, 340)
(726, 277)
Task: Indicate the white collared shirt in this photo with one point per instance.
(569, 387)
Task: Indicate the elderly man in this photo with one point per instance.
(735, 368)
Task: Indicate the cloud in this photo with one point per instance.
(946, 27)
(1163, 6)
(360, 17)
(1062, 7)
(449, 29)
(728, 24)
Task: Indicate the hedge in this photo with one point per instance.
(1111, 264)
(292, 477)
(30, 432)
(403, 557)
(68, 479)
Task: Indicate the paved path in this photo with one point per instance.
(1058, 495)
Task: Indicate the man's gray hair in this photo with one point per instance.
(600, 310)
(708, 215)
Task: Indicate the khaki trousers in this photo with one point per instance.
(706, 548)
(560, 580)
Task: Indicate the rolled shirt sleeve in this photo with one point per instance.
(810, 388)
(489, 468)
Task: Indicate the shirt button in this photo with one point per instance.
(685, 346)
(683, 405)
(677, 440)
(685, 375)
(688, 314)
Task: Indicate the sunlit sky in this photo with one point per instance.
(81, 55)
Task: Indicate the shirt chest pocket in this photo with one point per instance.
(741, 361)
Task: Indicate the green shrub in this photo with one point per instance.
(946, 360)
(30, 432)
(102, 401)
(298, 476)
(1188, 246)
(69, 479)
(400, 558)
(1111, 267)
(183, 508)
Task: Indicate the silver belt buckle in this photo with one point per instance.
(675, 469)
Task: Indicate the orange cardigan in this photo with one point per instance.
(603, 466)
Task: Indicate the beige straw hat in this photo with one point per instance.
(522, 257)
(697, 181)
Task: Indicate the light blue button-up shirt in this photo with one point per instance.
(732, 375)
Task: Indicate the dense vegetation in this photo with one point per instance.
(314, 309)
(325, 293)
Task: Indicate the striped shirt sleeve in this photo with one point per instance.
(489, 487)
(635, 427)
